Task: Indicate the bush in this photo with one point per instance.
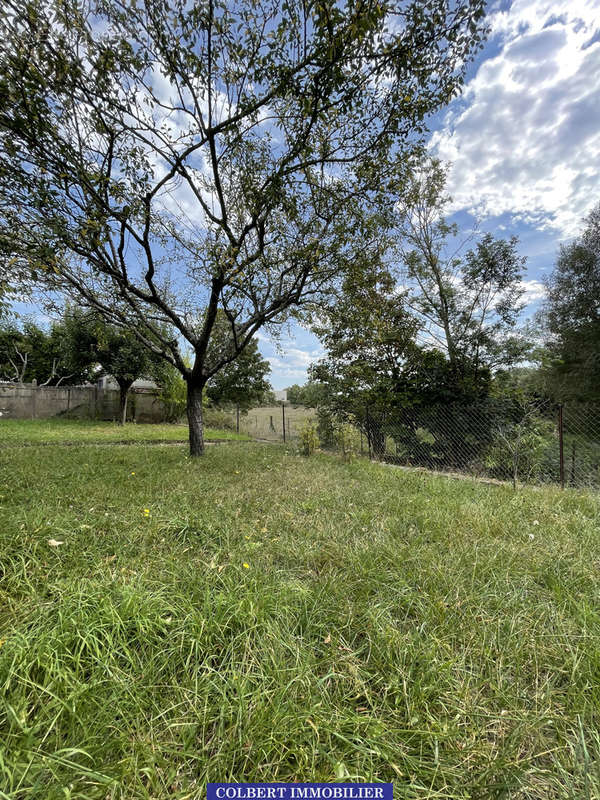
(173, 395)
(309, 439)
(217, 418)
(347, 440)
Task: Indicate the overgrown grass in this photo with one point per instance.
(71, 431)
(255, 615)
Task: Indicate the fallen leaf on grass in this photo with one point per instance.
(327, 639)
(54, 543)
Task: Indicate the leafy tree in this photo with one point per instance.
(30, 353)
(373, 365)
(243, 382)
(468, 302)
(572, 313)
(309, 395)
(90, 339)
(186, 158)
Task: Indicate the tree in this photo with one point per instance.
(243, 382)
(90, 339)
(467, 302)
(373, 366)
(28, 353)
(572, 315)
(309, 395)
(186, 158)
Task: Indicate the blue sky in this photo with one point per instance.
(523, 142)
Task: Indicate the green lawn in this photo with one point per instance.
(70, 431)
(255, 615)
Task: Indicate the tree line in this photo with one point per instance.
(80, 347)
(452, 335)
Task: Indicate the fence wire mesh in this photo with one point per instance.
(523, 442)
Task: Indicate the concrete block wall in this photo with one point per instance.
(28, 401)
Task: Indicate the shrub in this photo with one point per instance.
(173, 396)
(348, 440)
(217, 418)
(309, 439)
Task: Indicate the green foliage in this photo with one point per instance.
(172, 393)
(29, 352)
(424, 436)
(527, 450)
(217, 418)
(89, 338)
(571, 364)
(310, 395)
(243, 382)
(309, 438)
(347, 439)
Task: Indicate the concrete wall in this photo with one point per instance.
(28, 401)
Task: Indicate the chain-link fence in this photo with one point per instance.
(506, 440)
(499, 439)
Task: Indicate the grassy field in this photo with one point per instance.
(258, 616)
(266, 422)
(73, 431)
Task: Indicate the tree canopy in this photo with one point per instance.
(89, 339)
(243, 382)
(572, 316)
(467, 301)
(186, 158)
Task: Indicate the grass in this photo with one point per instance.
(73, 431)
(258, 616)
(266, 422)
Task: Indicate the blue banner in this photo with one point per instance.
(300, 791)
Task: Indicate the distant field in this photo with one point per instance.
(255, 615)
(267, 422)
(62, 431)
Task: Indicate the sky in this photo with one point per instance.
(522, 142)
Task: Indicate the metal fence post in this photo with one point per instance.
(283, 413)
(561, 449)
(237, 419)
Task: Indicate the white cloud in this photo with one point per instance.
(532, 291)
(525, 137)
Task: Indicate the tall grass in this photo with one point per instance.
(259, 616)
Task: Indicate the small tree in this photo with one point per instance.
(243, 382)
(89, 338)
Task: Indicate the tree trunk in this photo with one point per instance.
(124, 388)
(194, 415)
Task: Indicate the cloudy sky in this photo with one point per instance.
(523, 141)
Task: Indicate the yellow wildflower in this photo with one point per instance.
(246, 566)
